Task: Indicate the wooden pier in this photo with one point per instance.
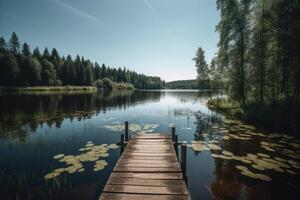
(148, 169)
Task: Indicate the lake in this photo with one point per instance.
(62, 145)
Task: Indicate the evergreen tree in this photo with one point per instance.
(46, 53)
(202, 68)
(48, 73)
(26, 50)
(36, 53)
(2, 45)
(32, 71)
(14, 43)
(56, 61)
(9, 70)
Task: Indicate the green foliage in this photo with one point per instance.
(36, 53)
(26, 50)
(9, 70)
(261, 58)
(108, 84)
(183, 84)
(2, 46)
(123, 85)
(202, 68)
(32, 71)
(51, 69)
(98, 83)
(48, 73)
(46, 53)
(14, 43)
(234, 29)
(258, 59)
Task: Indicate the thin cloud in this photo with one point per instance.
(78, 12)
(149, 6)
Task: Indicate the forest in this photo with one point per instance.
(257, 62)
(19, 67)
(183, 84)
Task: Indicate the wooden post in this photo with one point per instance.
(173, 133)
(122, 144)
(183, 160)
(176, 145)
(126, 131)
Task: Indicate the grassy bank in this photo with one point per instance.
(282, 116)
(48, 88)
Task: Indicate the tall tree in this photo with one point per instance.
(48, 73)
(9, 70)
(234, 28)
(46, 53)
(14, 43)
(26, 49)
(2, 45)
(36, 52)
(32, 71)
(202, 68)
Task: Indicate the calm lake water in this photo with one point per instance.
(226, 159)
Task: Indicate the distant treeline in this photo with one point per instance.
(19, 67)
(183, 84)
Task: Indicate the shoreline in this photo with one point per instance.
(48, 88)
(274, 117)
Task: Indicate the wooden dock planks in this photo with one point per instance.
(148, 169)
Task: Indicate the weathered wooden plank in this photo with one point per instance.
(148, 154)
(146, 164)
(119, 196)
(146, 169)
(147, 161)
(166, 158)
(148, 150)
(170, 176)
(152, 135)
(150, 139)
(146, 182)
(133, 141)
(149, 146)
(134, 189)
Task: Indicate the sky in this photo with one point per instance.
(154, 37)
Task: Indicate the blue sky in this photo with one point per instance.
(154, 37)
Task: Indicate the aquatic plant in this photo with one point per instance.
(74, 163)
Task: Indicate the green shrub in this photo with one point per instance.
(98, 84)
(108, 84)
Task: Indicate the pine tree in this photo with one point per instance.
(32, 71)
(202, 68)
(48, 73)
(46, 53)
(14, 43)
(26, 50)
(9, 70)
(36, 53)
(2, 45)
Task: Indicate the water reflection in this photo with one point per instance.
(34, 128)
(22, 113)
(248, 163)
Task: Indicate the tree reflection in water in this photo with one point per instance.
(22, 113)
